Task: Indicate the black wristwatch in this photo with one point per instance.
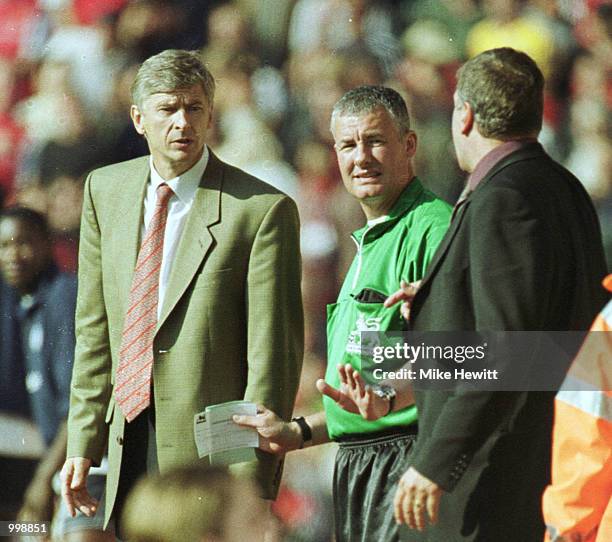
(305, 428)
(386, 392)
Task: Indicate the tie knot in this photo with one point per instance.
(164, 193)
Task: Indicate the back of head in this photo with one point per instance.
(184, 505)
(367, 98)
(505, 90)
(170, 70)
(189, 504)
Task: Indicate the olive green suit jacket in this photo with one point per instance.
(231, 325)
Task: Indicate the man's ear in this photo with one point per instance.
(411, 143)
(137, 119)
(467, 119)
(210, 118)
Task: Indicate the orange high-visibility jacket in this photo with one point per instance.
(578, 506)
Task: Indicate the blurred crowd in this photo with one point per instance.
(66, 67)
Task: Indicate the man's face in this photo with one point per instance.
(374, 159)
(24, 254)
(175, 125)
(459, 140)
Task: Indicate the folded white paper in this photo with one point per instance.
(218, 437)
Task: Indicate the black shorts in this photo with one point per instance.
(366, 474)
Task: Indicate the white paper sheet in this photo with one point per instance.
(218, 437)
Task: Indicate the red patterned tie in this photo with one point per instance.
(133, 378)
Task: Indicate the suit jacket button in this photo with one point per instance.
(120, 441)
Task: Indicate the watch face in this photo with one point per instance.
(386, 392)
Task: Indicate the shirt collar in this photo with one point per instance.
(186, 184)
(406, 200)
(486, 164)
(494, 156)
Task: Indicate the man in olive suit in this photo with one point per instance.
(189, 294)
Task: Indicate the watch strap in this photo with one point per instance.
(304, 427)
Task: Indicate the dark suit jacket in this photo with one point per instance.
(54, 306)
(524, 252)
(231, 326)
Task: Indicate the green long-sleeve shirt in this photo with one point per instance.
(398, 246)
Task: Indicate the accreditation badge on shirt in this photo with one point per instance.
(355, 326)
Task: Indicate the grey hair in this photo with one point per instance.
(367, 98)
(171, 70)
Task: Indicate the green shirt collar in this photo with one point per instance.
(407, 199)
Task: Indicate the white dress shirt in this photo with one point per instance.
(184, 187)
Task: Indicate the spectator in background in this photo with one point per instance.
(229, 44)
(74, 150)
(117, 131)
(427, 73)
(457, 16)
(147, 27)
(42, 116)
(37, 305)
(11, 133)
(65, 201)
(90, 50)
(195, 504)
(17, 20)
(505, 25)
(318, 238)
(353, 26)
(589, 108)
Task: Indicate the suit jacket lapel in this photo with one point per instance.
(128, 225)
(196, 239)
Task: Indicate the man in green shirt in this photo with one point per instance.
(405, 223)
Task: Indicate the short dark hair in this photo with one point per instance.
(29, 217)
(366, 98)
(170, 70)
(505, 89)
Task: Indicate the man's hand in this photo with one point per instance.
(354, 395)
(405, 294)
(414, 496)
(275, 435)
(74, 486)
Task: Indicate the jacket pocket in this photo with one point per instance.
(210, 279)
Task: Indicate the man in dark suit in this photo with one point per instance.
(523, 252)
(216, 318)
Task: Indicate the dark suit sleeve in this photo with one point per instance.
(509, 256)
(91, 386)
(275, 322)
